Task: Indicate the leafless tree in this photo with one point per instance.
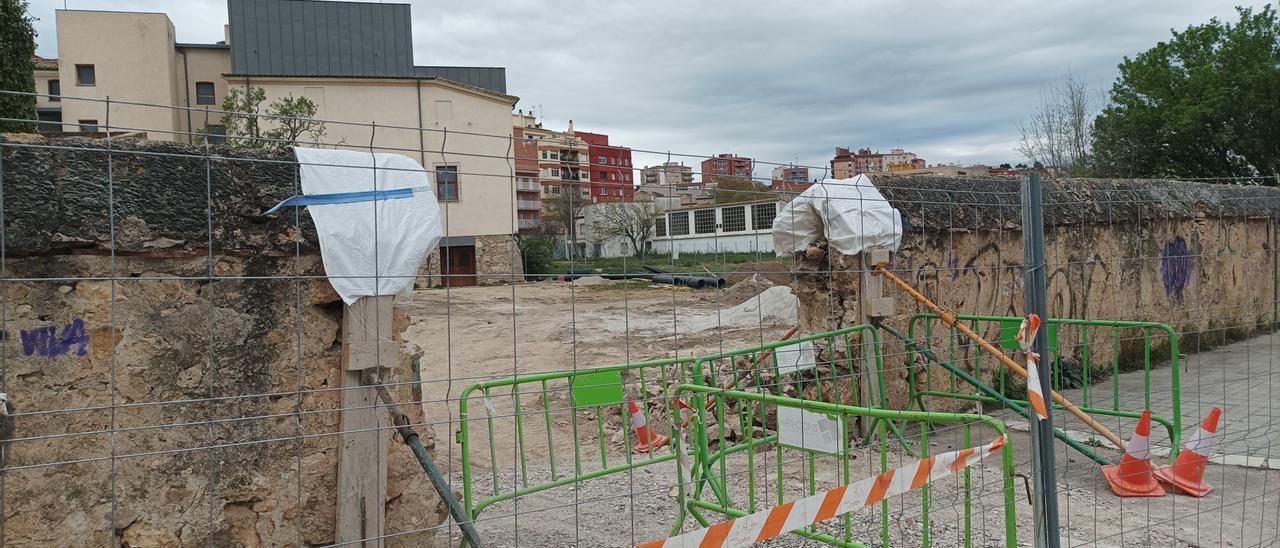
(1058, 133)
(630, 220)
(560, 215)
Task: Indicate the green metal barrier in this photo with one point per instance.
(708, 471)
(526, 405)
(1008, 329)
(560, 394)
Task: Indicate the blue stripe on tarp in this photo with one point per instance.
(343, 198)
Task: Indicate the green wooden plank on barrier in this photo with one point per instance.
(597, 388)
(1009, 335)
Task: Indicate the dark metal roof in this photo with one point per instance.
(307, 37)
(490, 78)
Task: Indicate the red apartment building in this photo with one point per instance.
(612, 175)
(528, 189)
(726, 165)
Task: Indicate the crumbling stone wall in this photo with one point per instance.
(1199, 257)
(214, 355)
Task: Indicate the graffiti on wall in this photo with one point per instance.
(50, 342)
(1175, 267)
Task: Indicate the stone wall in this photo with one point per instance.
(1195, 256)
(213, 355)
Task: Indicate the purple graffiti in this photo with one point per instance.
(1175, 267)
(953, 265)
(46, 341)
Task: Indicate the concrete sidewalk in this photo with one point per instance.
(1242, 378)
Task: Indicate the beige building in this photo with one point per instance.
(669, 173)
(456, 121)
(563, 159)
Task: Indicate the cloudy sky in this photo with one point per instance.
(947, 80)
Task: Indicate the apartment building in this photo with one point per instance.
(354, 60)
(561, 156)
(790, 179)
(846, 163)
(669, 173)
(528, 188)
(726, 165)
(611, 173)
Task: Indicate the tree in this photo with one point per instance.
(1059, 131)
(17, 47)
(738, 189)
(633, 221)
(1204, 104)
(296, 117)
(289, 118)
(560, 214)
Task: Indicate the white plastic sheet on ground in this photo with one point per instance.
(362, 258)
(850, 213)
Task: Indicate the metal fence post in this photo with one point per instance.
(1045, 501)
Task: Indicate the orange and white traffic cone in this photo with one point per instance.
(1186, 474)
(1133, 476)
(646, 440)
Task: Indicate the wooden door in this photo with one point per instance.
(459, 265)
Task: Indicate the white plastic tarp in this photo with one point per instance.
(370, 247)
(850, 213)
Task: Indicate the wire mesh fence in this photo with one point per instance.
(180, 368)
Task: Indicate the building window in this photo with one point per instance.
(544, 155)
(733, 219)
(553, 190)
(85, 76)
(555, 156)
(660, 227)
(555, 172)
(704, 221)
(626, 177)
(762, 215)
(55, 91)
(604, 191)
(447, 183)
(601, 160)
(680, 223)
(204, 93)
(88, 126)
(215, 135)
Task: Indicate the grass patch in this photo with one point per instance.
(690, 263)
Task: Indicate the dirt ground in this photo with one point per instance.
(481, 333)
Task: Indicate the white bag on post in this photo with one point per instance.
(850, 213)
(371, 247)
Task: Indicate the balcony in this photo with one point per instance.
(529, 205)
(526, 224)
(528, 186)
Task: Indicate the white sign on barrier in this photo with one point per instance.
(795, 357)
(810, 431)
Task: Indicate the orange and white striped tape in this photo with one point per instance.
(771, 523)
(1026, 338)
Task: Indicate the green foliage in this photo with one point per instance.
(536, 252)
(1206, 103)
(243, 113)
(17, 46)
(287, 119)
(738, 189)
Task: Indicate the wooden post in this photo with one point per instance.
(362, 446)
(872, 303)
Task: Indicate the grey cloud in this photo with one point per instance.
(764, 79)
